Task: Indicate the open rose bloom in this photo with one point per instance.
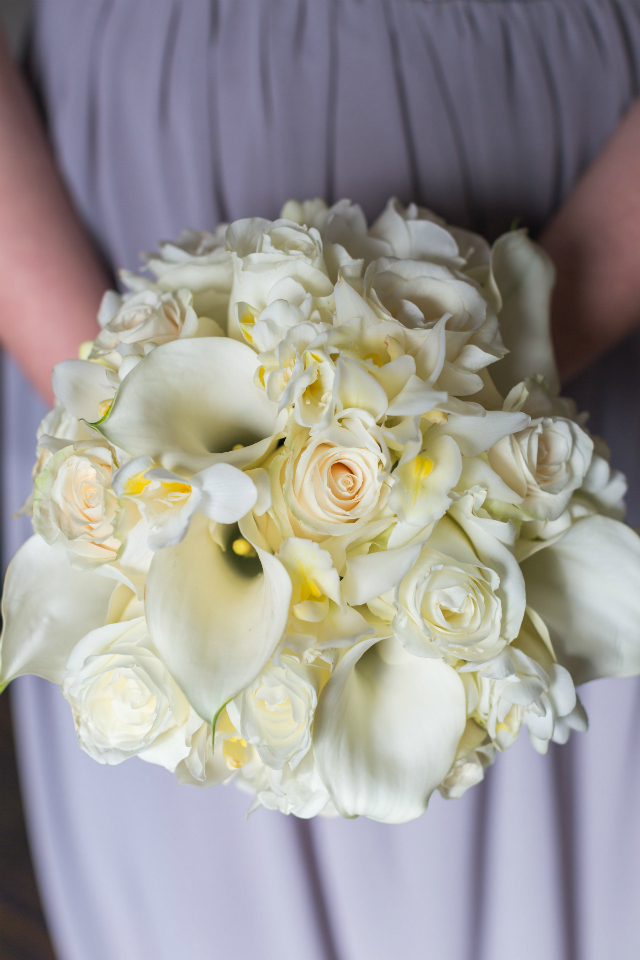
(311, 515)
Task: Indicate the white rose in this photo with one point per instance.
(124, 701)
(322, 487)
(525, 685)
(418, 294)
(544, 464)
(300, 792)
(74, 506)
(147, 317)
(278, 260)
(275, 713)
(413, 233)
(448, 603)
(475, 753)
(199, 261)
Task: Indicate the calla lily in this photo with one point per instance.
(386, 731)
(524, 276)
(83, 388)
(586, 587)
(216, 609)
(154, 415)
(47, 607)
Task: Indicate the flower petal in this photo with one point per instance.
(586, 588)
(374, 573)
(189, 402)
(214, 616)
(386, 731)
(525, 276)
(47, 606)
(227, 493)
(81, 386)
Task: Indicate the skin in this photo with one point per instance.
(52, 280)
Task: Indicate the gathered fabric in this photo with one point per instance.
(166, 114)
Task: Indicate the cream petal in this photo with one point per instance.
(47, 606)
(215, 617)
(227, 493)
(416, 397)
(189, 402)
(374, 573)
(525, 276)
(357, 388)
(475, 434)
(586, 588)
(493, 542)
(81, 386)
(386, 731)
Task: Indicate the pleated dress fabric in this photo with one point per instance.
(164, 115)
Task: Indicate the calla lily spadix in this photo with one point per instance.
(311, 514)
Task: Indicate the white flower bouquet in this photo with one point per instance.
(311, 515)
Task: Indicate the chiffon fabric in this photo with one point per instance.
(164, 115)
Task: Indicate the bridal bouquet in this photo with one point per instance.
(311, 515)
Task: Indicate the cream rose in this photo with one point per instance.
(448, 603)
(544, 464)
(74, 507)
(275, 713)
(124, 701)
(328, 486)
(278, 260)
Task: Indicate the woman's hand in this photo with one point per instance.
(51, 279)
(594, 241)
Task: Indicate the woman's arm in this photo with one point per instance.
(51, 279)
(594, 241)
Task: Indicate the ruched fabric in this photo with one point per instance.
(166, 114)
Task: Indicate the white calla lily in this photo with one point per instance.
(155, 415)
(524, 275)
(47, 606)
(586, 588)
(215, 612)
(387, 730)
(83, 388)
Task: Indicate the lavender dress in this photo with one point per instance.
(165, 114)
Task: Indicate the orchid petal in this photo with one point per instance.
(227, 493)
(415, 397)
(475, 434)
(374, 573)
